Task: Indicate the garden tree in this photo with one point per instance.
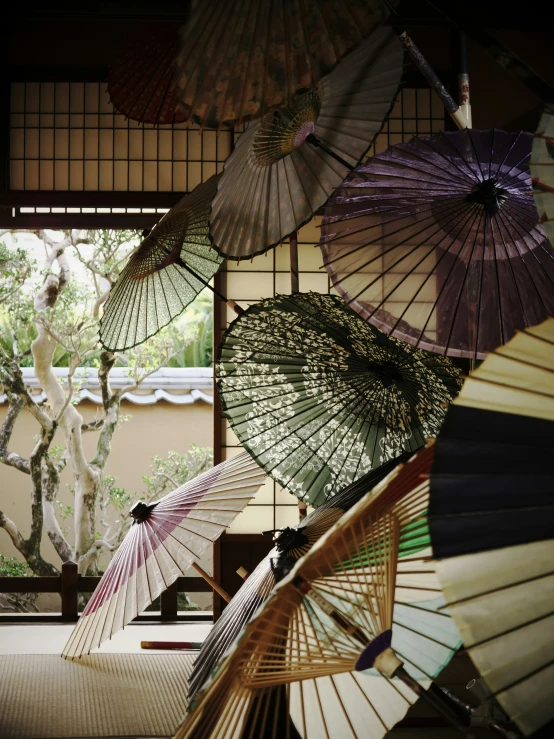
(48, 318)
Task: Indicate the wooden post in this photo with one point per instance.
(69, 591)
(294, 287)
(168, 601)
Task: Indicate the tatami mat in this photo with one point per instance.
(107, 695)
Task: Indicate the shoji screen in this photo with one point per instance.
(68, 136)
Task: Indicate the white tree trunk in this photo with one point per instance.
(43, 347)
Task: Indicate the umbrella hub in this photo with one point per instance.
(288, 539)
(379, 654)
(153, 255)
(282, 131)
(387, 372)
(141, 511)
(489, 195)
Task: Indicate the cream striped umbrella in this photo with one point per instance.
(492, 523)
(291, 544)
(352, 636)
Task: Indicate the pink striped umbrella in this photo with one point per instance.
(166, 538)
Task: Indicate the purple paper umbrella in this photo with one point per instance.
(438, 242)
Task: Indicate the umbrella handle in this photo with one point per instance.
(489, 723)
(188, 645)
(209, 579)
(463, 81)
(441, 707)
(228, 301)
(314, 141)
(452, 107)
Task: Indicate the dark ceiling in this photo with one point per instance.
(72, 40)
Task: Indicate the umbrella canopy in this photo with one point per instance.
(437, 241)
(276, 179)
(141, 80)
(320, 398)
(291, 545)
(542, 171)
(492, 523)
(359, 611)
(166, 272)
(240, 58)
(165, 539)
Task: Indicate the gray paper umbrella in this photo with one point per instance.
(167, 271)
(438, 242)
(320, 398)
(278, 175)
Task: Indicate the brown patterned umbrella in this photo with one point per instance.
(141, 80)
(238, 59)
(279, 172)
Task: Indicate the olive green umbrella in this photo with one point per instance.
(165, 273)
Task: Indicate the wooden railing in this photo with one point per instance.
(69, 584)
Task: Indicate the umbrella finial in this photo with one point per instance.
(141, 511)
(489, 195)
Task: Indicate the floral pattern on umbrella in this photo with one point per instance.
(319, 397)
(238, 59)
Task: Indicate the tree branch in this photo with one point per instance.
(13, 532)
(15, 385)
(110, 402)
(6, 457)
(50, 485)
(86, 560)
(92, 425)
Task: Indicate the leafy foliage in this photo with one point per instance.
(26, 602)
(13, 567)
(51, 316)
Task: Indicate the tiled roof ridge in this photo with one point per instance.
(168, 383)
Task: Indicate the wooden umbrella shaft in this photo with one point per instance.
(501, 53)
(188, 645)
(452, 107)
(489, 723)
(314, 141)
(215, 586)
(441, 707)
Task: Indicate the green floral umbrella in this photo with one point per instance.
(319, 397)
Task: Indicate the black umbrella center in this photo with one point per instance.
(284, 130)
(288, 539)
(141, 511)
(489, 195)
(387, 372)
